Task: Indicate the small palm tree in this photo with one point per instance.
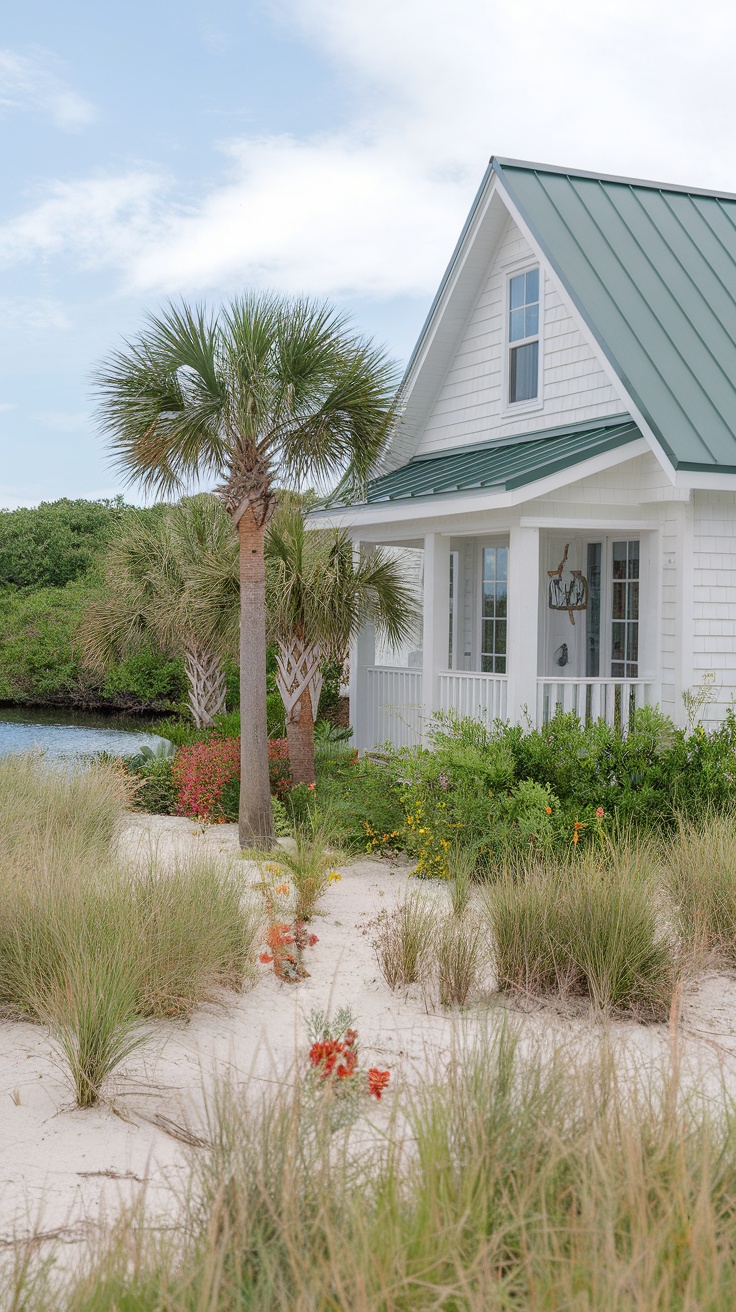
(268, 390)
(149, 593)
(318, 598)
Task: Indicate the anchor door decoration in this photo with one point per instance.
(567, 591)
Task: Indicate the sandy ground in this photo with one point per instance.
(64, 1173)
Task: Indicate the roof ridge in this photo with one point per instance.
(499, 162)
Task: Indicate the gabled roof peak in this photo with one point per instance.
(500, 162)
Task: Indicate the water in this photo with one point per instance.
(70, 733)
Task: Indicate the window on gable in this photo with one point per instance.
(524, 336)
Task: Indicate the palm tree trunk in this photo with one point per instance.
(206, 679)
(300, 735)
(255, 821)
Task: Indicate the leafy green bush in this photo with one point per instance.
(53, 544)
(363, 800)
(156, 792)
(146, 678)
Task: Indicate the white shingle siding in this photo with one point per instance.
(713, 580)
(469, 405)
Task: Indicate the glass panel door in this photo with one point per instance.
(494, 610)
(625, 610)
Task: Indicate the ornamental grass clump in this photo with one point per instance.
(91, 948)
(593, 927)
(403, 938)
(699, 869)
(460, 954)
(309, 867)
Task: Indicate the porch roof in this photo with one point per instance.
(503, 465)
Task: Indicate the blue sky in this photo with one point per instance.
(324, 146)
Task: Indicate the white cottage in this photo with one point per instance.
(563, 481)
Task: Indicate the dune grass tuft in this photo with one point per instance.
(92, 948)
(403, 940)
(699, 869)
(517, 1178)
(591, 927)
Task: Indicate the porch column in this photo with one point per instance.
(362, 654)
(436, 619)
(523, 622)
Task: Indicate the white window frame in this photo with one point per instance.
(500, 541)
(536, 403)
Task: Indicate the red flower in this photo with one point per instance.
(266, 958)
(312, 940)
(377, 1081)
(600, 812)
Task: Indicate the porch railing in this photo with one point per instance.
(482, 696)
(612, 700)
(390, 708)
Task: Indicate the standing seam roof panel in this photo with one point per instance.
(652, 271)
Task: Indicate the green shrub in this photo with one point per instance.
(148, 679)
(156, 791)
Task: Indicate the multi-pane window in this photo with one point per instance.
(493, 612)
(524, 336)
(625, 610)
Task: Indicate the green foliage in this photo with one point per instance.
(53, 544)
(363, 799)
(156, 792)
(39, 657)
(146, 678)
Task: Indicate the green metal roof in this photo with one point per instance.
(652, 270)
(502, 465)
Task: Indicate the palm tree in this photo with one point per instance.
(149, 594)
(317, 600)
(268, 390)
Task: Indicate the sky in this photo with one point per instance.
(331, 147)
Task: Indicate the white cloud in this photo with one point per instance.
(33, 82)
(374, 206)
(35, 313)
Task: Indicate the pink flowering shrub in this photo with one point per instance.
(201, 774)
(207, 777)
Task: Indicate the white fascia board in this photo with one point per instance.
(702, 480)
(590, 338)
(593, 524)
(467, 502)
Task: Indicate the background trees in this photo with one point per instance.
(149, 596)
(269, 390)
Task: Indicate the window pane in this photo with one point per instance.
(516, 291)
(618, 608)
(500, 665)
(532, 286)
(486, 665)
(516, 325)
(619, 560)
(531, 321)
(632, 642)
(618, 642)
(502, 563)
(593, 617)
(489, 600)
(633, 560)
(633, 601)
(523, 372)
(501, 636)
(489, 563)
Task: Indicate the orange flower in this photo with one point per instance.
(266, 958)
(282, 889)
(548, 809)
(600, 812)
(377, 1081)
(575, 836)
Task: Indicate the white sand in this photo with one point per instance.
(65, 1172)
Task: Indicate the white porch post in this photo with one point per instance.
(523, 622)
(436, 619)
(362, 654)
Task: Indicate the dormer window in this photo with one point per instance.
(524, 336)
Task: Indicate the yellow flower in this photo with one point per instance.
(334, 877)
